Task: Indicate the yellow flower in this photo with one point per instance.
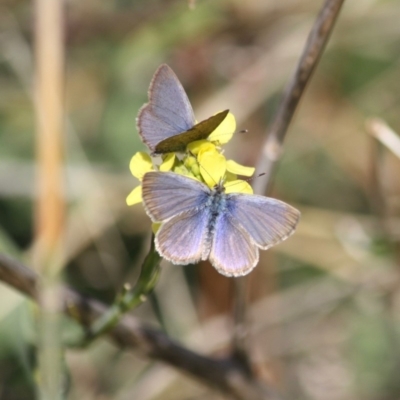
(234, 185)
(212, 167)
(224, 132)
(168, 162)
(135, 196)
(203, 145)
(140, 164)
(235, 168)
(238, 186)
(212, 164)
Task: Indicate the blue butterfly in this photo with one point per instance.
(166, 123)
(199, 223)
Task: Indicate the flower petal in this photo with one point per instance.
(212, 167)
(168, 162)
(229, 177)
(135, 196)
(238, 186)
(140, 164)
(200, 145)
(235, 168)
(224, 132)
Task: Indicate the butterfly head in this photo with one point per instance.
(219, 187)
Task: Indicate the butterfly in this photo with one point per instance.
(199, 223)
(166, 123)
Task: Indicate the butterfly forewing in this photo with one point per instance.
(184, 239)
(168, 111)
(233, 253)
(268, 221)
(166, 194)
(198, 132)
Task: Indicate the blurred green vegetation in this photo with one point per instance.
(326, 302)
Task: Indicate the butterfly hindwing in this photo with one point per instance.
(233, 253)
(184, 239)
(268, 221)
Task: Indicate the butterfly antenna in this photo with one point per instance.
(251, 178)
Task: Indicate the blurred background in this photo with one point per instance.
(326, 303)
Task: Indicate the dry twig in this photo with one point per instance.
(272, 148)
(226, 375)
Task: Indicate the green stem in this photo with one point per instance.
(129, 298)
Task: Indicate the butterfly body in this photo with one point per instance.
(166, 123)
(199, 223)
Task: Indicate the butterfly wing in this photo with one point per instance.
(200, 131)
(166, 194)
(168, 111)
(268, 221)
(233, 253)
(184, 239)
(180, 203)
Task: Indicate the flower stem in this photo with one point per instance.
(128, 298)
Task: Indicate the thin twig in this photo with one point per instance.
(309, 59)
(226, 375)
(272, 148)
